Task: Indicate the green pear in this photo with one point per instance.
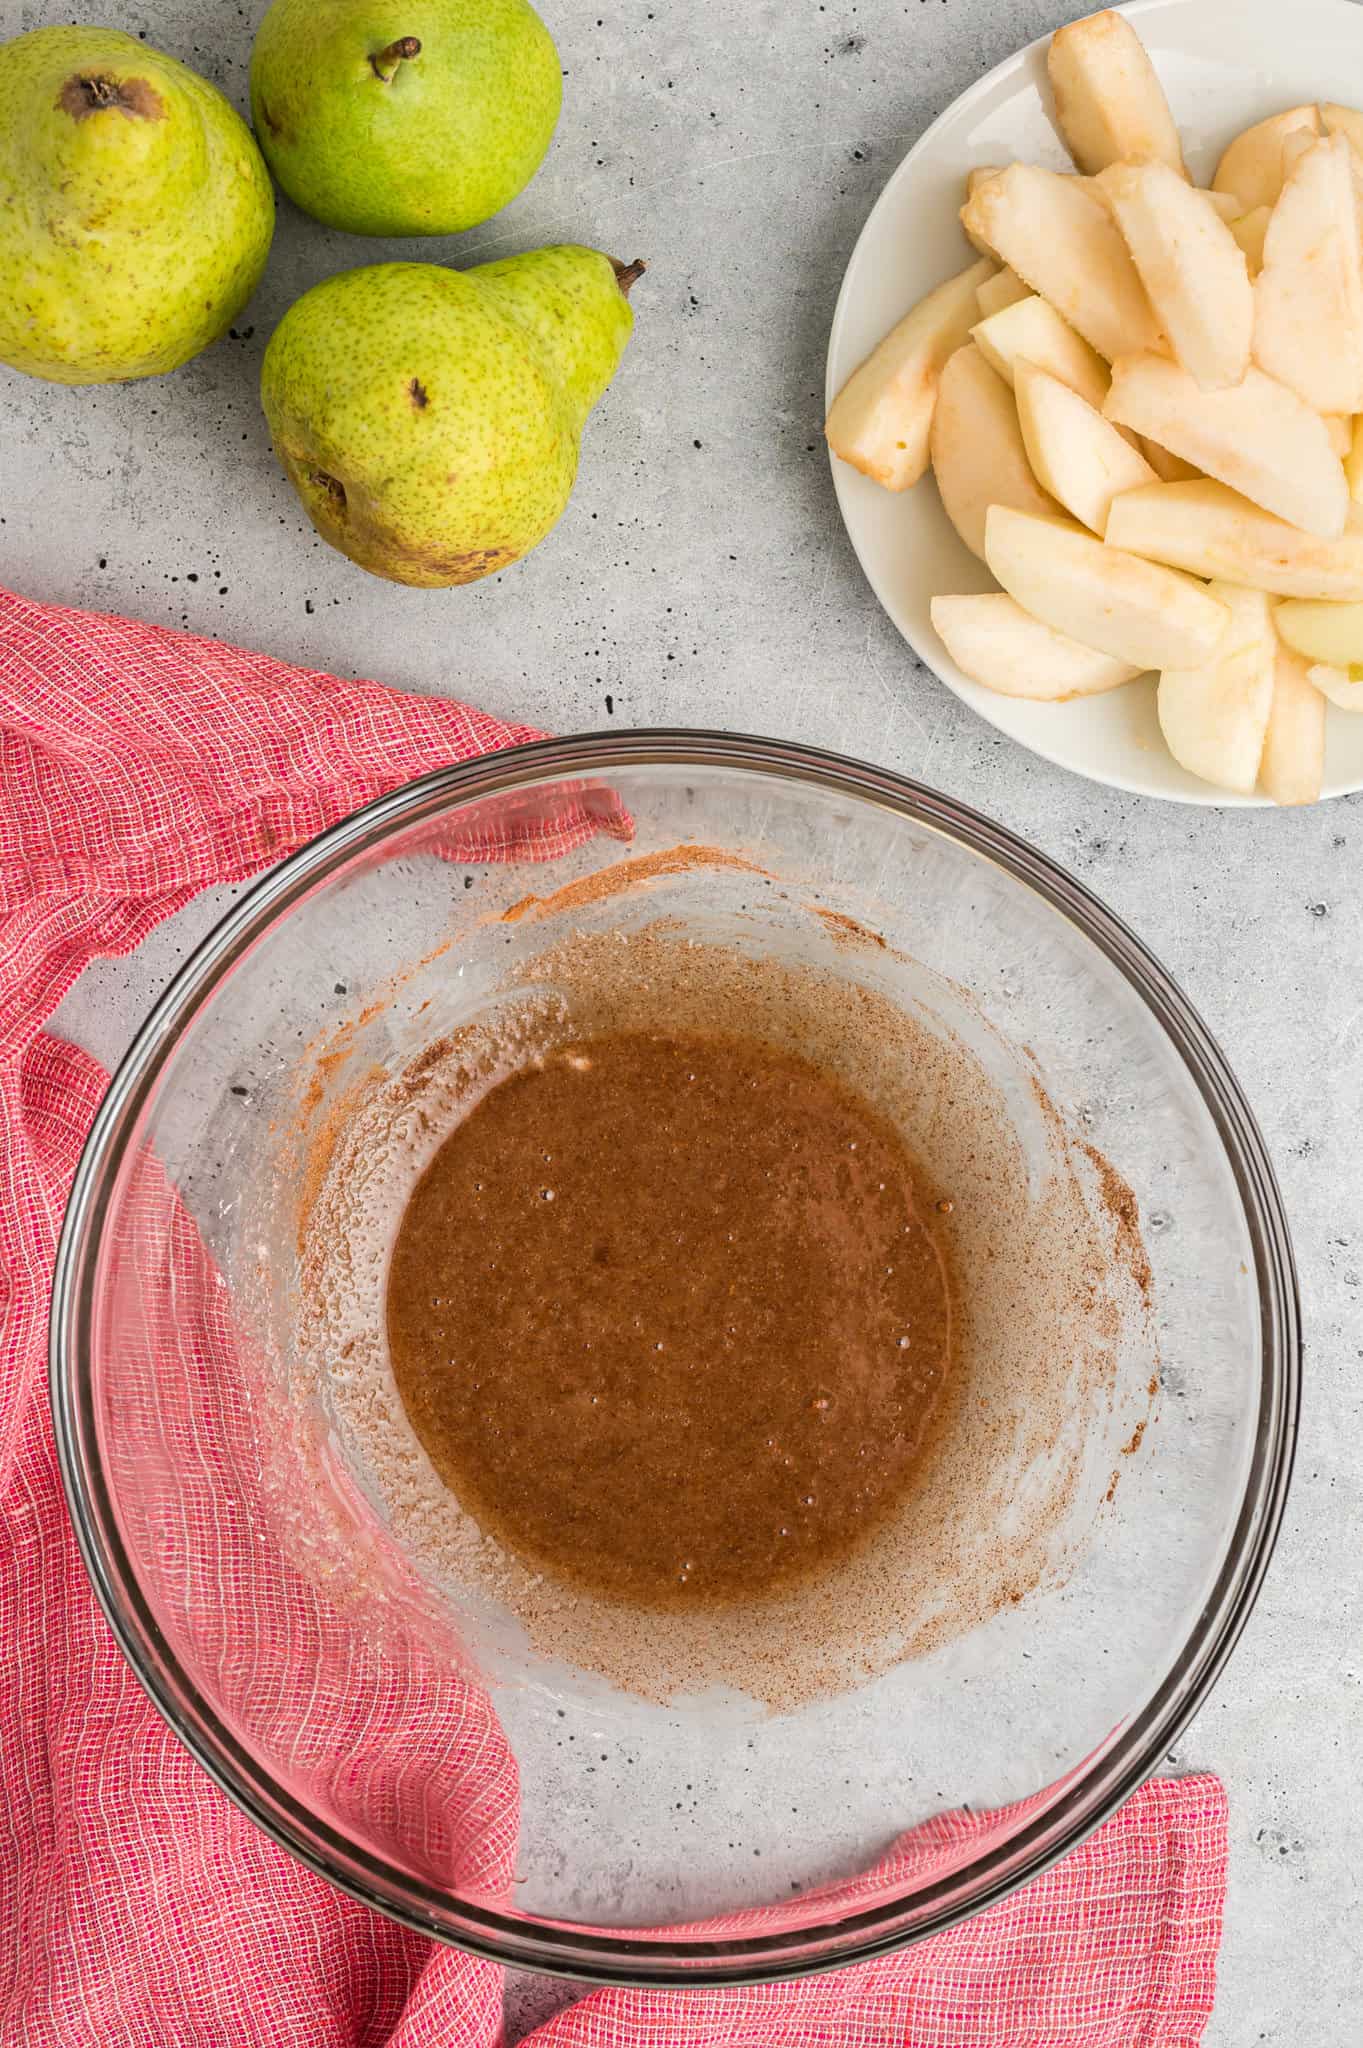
(135, 210)
(404, 117)
(429, 419)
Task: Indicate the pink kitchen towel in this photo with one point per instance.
(138, 1908)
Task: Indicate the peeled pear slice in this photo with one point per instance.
(1252, 168)
(1210, 530)
(881, 419)
(1257, 437)
(1108, 102)
(1295, 147)
(1353, 462)
(1107, 600)
(1339, 431)
(978, 457)
(1034, 331)
(1075, 453)
(1214, 715)
(1293, 762)
(1000, 645)
(1225, 205)
(1249, 230)
(1192, 267)
(1308, 298)
(1004, 290)
(1332, 633)
(1065, 244)
(1342, 687)
(973, 180)
(1168, 467)
(1345, 121)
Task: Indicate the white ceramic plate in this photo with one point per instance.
(1223, 63)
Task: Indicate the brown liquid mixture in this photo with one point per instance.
(667, 1318)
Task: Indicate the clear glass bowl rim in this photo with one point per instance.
(1095, 1790)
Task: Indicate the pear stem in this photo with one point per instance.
(385, 64)
(82, 96)
(627, 274)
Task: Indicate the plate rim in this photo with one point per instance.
(933, 657)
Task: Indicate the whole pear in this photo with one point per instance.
(135, 210)
(429, 419)
(404, 117)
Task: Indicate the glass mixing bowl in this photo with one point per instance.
(275, 1591)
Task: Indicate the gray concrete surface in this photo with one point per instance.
(701, 576)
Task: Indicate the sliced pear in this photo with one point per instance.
(1033, 331)
(1332, 633)
(1004, 290)
(1108, 102)
(1295, 147)
(973, 180)
(1353, 462)
(1168, 467)
(1339, 431)
(1000, 645)
(1308, 298)
(1345, 121)
(1214, 715)
(978, 457)
(1252, 168)
(1065, 244)
(1342, 687)
(1073, 451)
(1257, 437)
(881, 419)
(1192, 267)
(1210, 530)
(1293, 762)
(1113, 602)
(1249, 230)
(1224, 204)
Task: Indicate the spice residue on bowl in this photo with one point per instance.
(997, 1477)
